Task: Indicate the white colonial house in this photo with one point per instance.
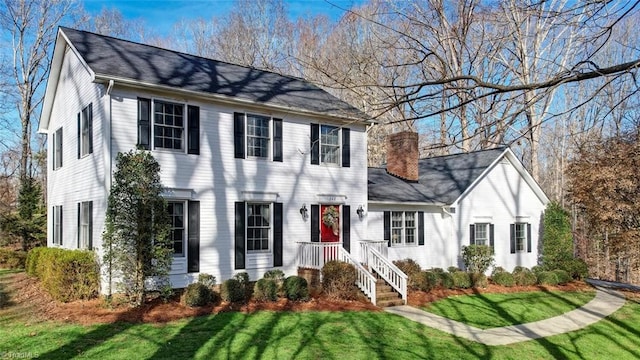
(262, 171)
(427, 209)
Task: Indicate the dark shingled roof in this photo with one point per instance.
(111, 57)
(441, 180)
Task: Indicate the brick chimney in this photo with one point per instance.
(402, 155)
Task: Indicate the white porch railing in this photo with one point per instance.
(389, 272)
(365, 245)
(313, 255)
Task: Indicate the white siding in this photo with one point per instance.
(82, 179)
(218, 180)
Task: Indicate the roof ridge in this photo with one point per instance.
(188, 54)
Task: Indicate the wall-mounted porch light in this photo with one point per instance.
(304, 212)
(360, 212)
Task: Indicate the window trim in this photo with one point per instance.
(184, 228)
(523, 238)
(57, 149)
(85, 114)
(269, 250)
(269, 137)
(487, 230)
(321, 145)
(404, 228)
(152, 125)
(57, 225)
(85, 208)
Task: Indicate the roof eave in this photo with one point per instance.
(417, 203)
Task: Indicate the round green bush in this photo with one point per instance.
(547, 278)
(518, 269)
(446, 280)
(479, 280)
(525, 277)
(265, 290)
(503, 279)
(563, 276)
(428, 280)
(339, 280)
(296, 288)
(207, 280)
(577, 269)
(537, 269)
(497, 270)
(437, 270)
(197, 294)
(233, 291)
(412, 269)
(452, 269)
(461, 279)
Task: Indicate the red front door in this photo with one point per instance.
(330, 223)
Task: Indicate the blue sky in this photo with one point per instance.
(160, 15)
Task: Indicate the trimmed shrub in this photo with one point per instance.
(243, 280)
(66, 274)
(547, 278)
(437, 270)
(276, 275)
(197, 294)
(32, 260)
(446, 280)
(497, 269)
(577, 269)
(452, 269)
(265, 290)
(339, 280)
(479, 280)
(233, 291)
(503, 278)
(296, 288)
(563, 276)
(12, 259)
(412, 269)
(207, 280)
(524, 277)
(428, 280)
(461, 279)
(537, 269)
(477, 258)
(518, 269)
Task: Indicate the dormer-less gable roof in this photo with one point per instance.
(138, 64)
(443, 180)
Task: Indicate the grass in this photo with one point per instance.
(304, 335)
(495, 310)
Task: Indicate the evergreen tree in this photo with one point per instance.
(136, 242)
(28, 224)
(557, 240)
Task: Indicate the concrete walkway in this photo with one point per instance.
(605, 303)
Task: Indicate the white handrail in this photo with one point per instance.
(365, 280)
(388, 271)
(380, 245)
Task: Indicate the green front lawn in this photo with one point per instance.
(303, 335)
(495, 310)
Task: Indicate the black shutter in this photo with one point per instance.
(240, 235)
(512, 229)
(277, 234)
(277, 140)
(61, 146)
(346, 147)
(79, 131)
(315, 144)
(193, 131)
(78, 240)
(387, 227)
(144, 118)
(61, 231)
(315, 223)
(238, 135)
(193, 239)
(53, 153)
(420, 228)
(528, 238)
(472, 234)
(491, 241)
(90, 242)
(346, 227)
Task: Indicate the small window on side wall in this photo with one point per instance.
(481, 234)
(85, 225)
(85, 131)
(57, 149)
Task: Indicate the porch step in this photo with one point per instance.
(386, 295)
(388, 303)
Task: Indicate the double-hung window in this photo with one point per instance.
(329, 144)
(85, 127)
(84, 225)
(403, 228)
(168, 125)
(520, 236)
(482, 234)
(57, 225)
(177, 233)
(258, 227)
(57, 149)
(258, 136)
